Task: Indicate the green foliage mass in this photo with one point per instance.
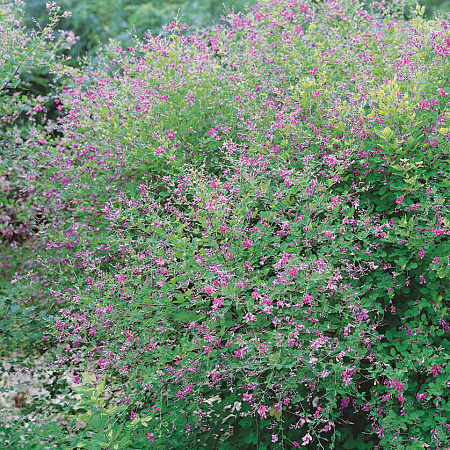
(245, 237)
(24, 125)
(97, 21)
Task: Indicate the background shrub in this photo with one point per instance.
(98, 21)
(25, 128)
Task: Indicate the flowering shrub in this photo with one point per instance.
(251, 234)
(97, 21)
(24, 128)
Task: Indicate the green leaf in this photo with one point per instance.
(250, 438)
(181, 315)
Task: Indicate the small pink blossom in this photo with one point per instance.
(438, 232)
(435, 370)
(306, 439)
(421, 397)
(307, 299)
(400, 199)
(249, 317)
(224, 227)
(262, 411)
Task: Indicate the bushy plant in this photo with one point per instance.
(24, 127)
(250, 234)
(98, 21)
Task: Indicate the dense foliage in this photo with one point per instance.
(24, 128)
(246, 233)
(97, 21)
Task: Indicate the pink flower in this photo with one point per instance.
(306, 439)
(307, 299)
(296, 444)
(150, 436)
(397, 384)
(274, 438)
(133, 415)
(435, 370)
(345, 402)
(399, 200)
(347, 376)
(421, 253)
(247, 244)
(249, 317)
(421, 396)
(438, 232)
(218, 303)
(262, 411)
